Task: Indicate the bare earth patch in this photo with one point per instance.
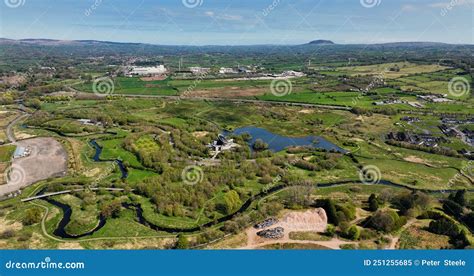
(10, 225)
(47, 159)
(311, 220)
(416, 159)
(306, 111)
(200, 134)
(226, 92)
(70, 245)
(23, 135)
(154, 78)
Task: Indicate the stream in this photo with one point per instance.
(60, 230)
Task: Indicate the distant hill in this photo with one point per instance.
(321, 42)
(55, 42)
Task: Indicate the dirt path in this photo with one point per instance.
(254, 241)
(9, 131)
(395, 240)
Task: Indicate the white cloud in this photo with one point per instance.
(452, 3)
(225, 16)
(409, 8)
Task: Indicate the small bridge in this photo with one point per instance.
(70, 191)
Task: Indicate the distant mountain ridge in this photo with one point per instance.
(319, 42)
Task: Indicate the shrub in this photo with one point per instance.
(259, 145)
(7, 234)
(386, 221)
(444, 226)
(452, 208)
(373, 203)
(352, 233)
(330, 230)
(32, 216)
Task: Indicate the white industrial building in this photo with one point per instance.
(225, 70)
(199, 70)
(147, 71)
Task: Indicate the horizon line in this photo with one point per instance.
(229, 45)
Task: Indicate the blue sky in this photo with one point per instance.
(240, 22)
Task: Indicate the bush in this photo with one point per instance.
(111, 210)
(7, 234)
(386, 221)
(24, 236)
(330, 230)
(367, 234)
(373, 203)
(305, 165)
(352, 233)
(32, 216)
(452, 208)
(444, 226)
(349, 212)
(182, 242)
(330, 208)
(259, 145)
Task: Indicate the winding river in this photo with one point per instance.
(98, 152)
(60, 230)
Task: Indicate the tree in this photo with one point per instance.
(330, 208)
(444, 226)
(459, 197)
(352, 233)
(231, 201)
(32, 216)
(259, 145)
(182, 242)
(373, 203)
(452, 208)
(386, 221)
(111, 210)
(330, 230)
(469, 220)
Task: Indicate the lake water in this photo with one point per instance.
(278, 143)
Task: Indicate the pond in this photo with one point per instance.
(278, 143)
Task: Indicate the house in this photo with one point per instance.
(222, 143)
